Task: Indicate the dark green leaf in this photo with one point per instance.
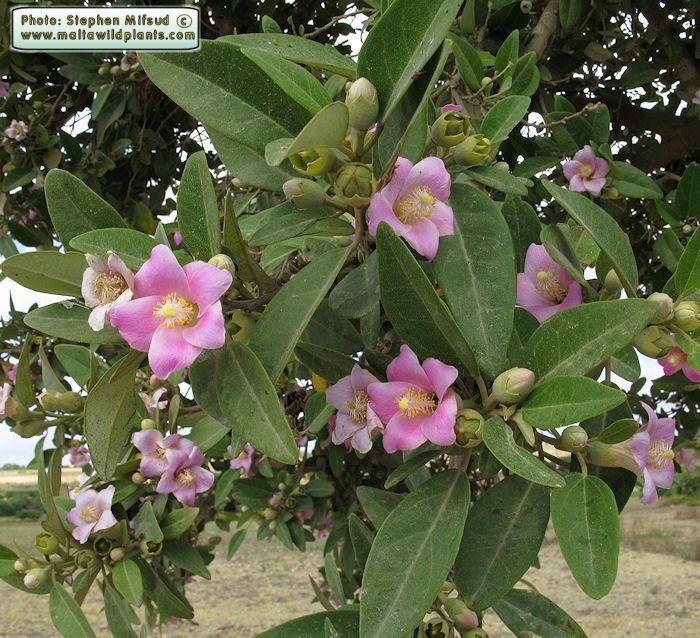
(377, 503)
(67, 616)
(362, 538)
(67, 320)
(47, 271)
(178, 522)
(524, 227)
(468, 63)
(357, 293)
(329, 364)
(146, 525)
(687, 275)
(128, 582)
(688, 192)
(504, 117)
(234, 543)
(186, 557)
(619, 431)
(131, 245)
(345, 621)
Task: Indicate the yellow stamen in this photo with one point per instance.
(660, 455)
(417, 205)
(175, 311)
(90, 513)
(184, 477)
(549, 286)
(108, 286)
(586, 171)
(357, 407)
(414, 402)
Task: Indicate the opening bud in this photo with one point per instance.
(313, 162)
(450, 128)
(687, 315)
(478, 632)
(616, 455)
(513, 385)
(150, 548)
(304, 193)
(103, 546)
(435, 627)
(223, 262)
(49, 400)
(35, 577)
(665, 304)
(46, 543)
(20, 565)
(469, 427)
(148, 424)
(117, 554)
(473, 151)
(654, 341)
(363, 104)
(85, 558)
(463, 617)
(354, 184)
(574, 439)
(70, 402)
(612, 283)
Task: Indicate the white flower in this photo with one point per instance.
(17, 130)
(106, 284)
(5, 398)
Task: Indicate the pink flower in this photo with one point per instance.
(686, 457)
(413, 204)
(677, 360)
(106, 284)
(92, 513)
(5, 400)
(356, 421)
(652, 448)
(17, 130)
(79, 456)
(157, 449)
(331, 429)
(184, 477)
(244, 460)
(586, 172)
(152, 401)
(545, 287)
(84, 478)
(4, 89)
(416, 404)
(449, 108)
(12, 373)
(176, 312)
(38, 184)
(177, 237)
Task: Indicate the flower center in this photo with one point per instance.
(108, 286)
(243, 456)
(676, 359)
(586, 171)
(417, 205)
(90, 513)
(184, 477)
(660, 455)
(414, 402)
(549, 286)
(357, 407)
(174, 311)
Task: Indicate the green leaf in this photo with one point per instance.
(118, 614)
(47, 271)
(66, 320)
(231, 385)
(565, 400)
(132, 246)
(586, 522)
(411, 555)
(527, 612)
(285, 221)
(688, 192)
(613, 242)
(207, 433)
(197, 210)
(507, 55)
(329, 329)
(377, 503)
(501, 540)
(127, 580)
(503, 117)
(287, 315)
(345, 621)
(410, 466)
(625, 363)
(67, 616)
(146, 525)
(362, 538)
(76, 361)
(574, 341)
(634, 183)
(524, 325)
(326, 129)
(109, 414)
(164, 593)
(498, 438)
(468, 63)
(186, 557)
(497, 179)
(75, 208)
(557, 240)
(400, 43)
(24, 386)
(669, 248)
(571, 11)
(327, 363)
(687, 275)
(234, 543)
(428, 326)
(357, 293)
(299, 50)
(619, 431)
(476, 269)
(524, 227)
(178, 522)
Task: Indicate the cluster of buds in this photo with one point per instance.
(67, 402)
(449, 614)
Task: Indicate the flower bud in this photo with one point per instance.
(46, 543)
(70, 402)
(574, 439)
(148, 424)
(52, 158)
(117, 554)
(49, 400)
(526, 6)
(215, 540)
(269, 25)
(450, 128)
(463, 617)
(150, 548)
(313, 162)
(85, 558)
(616, 455)
(103, 69)
(612, 283)
(469, 427)
(304, 193)
(687, 229)
(687, 315)
(20, 565)
(654, 341)
(223, 262)
(103, 546)
(289, 503)
(447, 587)
(354, 184)
(502, 166)
(610, 192)
(363, 104)
(473, 151)
(269, 514)
(115, 70)
(665, 304)
(35, 577)
(137, 478)
(435, 627)
(513, 385)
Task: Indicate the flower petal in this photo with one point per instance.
(170, 351)
(586, 155)
(430, 172)
(577, 184)
(341, 393)
(602, 168)
(135, 322)
(572, 168)
(424, 238)
(402, 434)
(379, 211)
(649, 492)
(439, 428)
(594, 185)
(443, 218)
(147, 441)
(407, 368)
(206, 283)
(392, 191)
(382, 398)
(161, 275)
(360, 378)
(440, 376)
(209, 331)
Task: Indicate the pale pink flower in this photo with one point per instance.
(413, 204)
(17, 130)
(586, 172)
(356, 421)
(106, 285)
(177, 238)
(331, 429)
(677, 360)
(4, 89)
(153, 401)
(417, 404)
(184, 477)
(79, 456)
(84, 478)
(176, 312)
(244, 460)
(157, 450)
(92, 513)
(38, 184)
(5, 400)
(545, 287)
(686, 457)
(451, 108)
(12, 373)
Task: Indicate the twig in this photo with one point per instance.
(586, 109)
(325, 27)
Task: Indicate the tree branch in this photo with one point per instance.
(545, 29)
